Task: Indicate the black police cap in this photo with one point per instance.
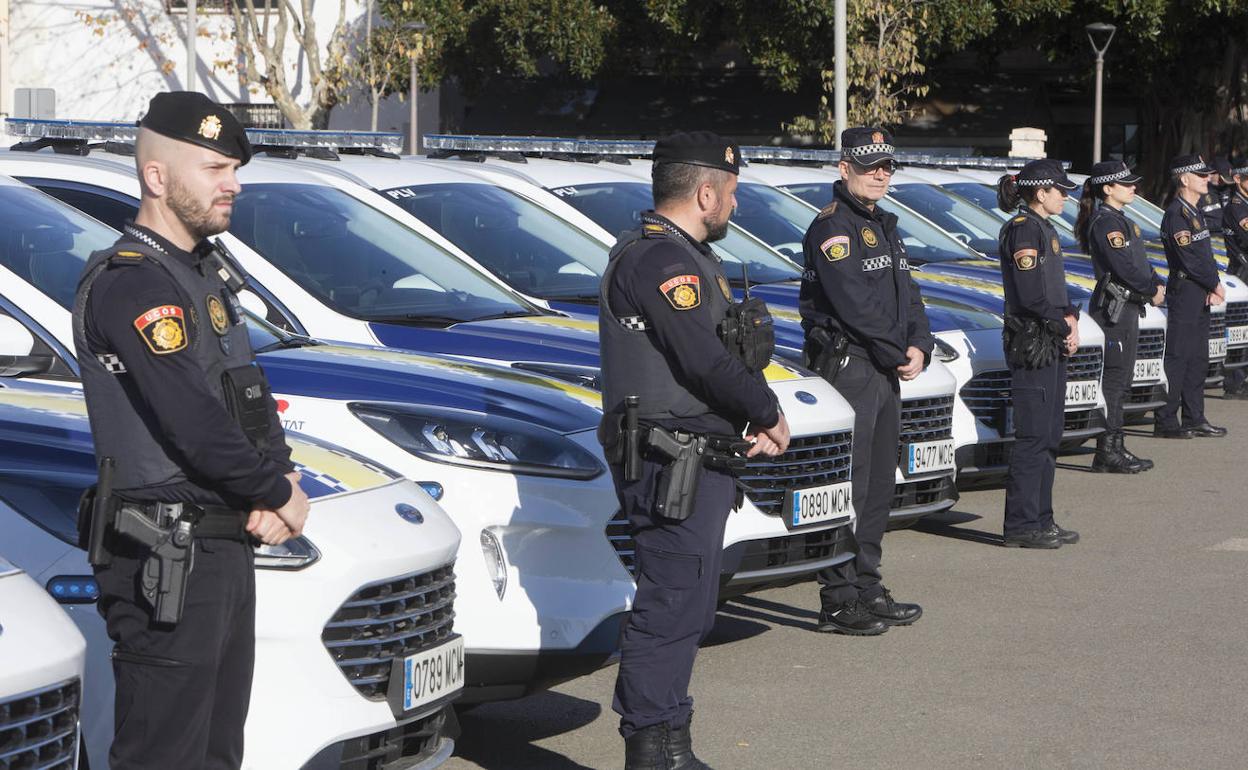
(1044, 172)
(867, 146)
(1190, 164)
(189, 116)
(1222, 165)
(698, 148)
(1113, 172)
(1239, 166)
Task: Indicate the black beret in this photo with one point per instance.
(698, 148)
(1045, 172)
(1113, 172)
(189, 116)
(866, 146)
(1189, 164)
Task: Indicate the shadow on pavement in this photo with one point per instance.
(945, 525)
(750, 607)
(730, 627)
(499, 736)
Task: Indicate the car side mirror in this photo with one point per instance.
(15, 338)
(24, 366)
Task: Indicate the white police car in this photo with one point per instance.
(41, 673)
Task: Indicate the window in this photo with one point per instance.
(112, 208)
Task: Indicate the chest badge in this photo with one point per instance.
(1243, 224)
(1195, 224)
(868, 237)
(723, 286)
(217, 315)
(1136, 229)
(682, 291)
(1057, 246)
(1116, 239)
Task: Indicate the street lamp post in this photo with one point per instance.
(1094, 31)
(414, 131)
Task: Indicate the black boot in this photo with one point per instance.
(1145, 465)
(680, 748)
(647, 749)
(1109, 457)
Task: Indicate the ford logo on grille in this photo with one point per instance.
(806, 398)
(409, 513)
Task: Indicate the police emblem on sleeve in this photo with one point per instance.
(1116, 239)
(835, 248)
(868, 237)
(210, 127)
(1183, 237)
(683, 291)
(723, 287)
(1025, 259)
(163, 328)
(217, 315)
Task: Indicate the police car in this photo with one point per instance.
(41, 673)
(346, 614)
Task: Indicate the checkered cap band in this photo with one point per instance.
(634, 323)
(1037, 183)
(1114, 177)
(1240, 170)
(111, 363)
(869, 149)
(1191, 167)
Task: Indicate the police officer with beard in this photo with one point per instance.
(866, 329)
(682, 379)
(1193, 287)
(194, 464)
(1235, 231)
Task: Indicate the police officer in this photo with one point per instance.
(200, 465)
(666, 311)
(1042, 327)
(1126, 282)
(1193, 287)
(1235, 231)
(866, 329)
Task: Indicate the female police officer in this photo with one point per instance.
(1041, 327)
(1125, 283)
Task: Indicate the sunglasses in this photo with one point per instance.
(890, 167)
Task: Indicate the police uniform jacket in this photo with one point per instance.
(1118, 249)
(157, 329)
(857, 280)
(1032, 271)
(1189, 252)
(663, 298)
(1235, 229)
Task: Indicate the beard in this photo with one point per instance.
(200, 219)
(715, 230)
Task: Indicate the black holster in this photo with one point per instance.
(681, 454)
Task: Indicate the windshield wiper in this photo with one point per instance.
(286, 343)
(505, 314)
(418, 319)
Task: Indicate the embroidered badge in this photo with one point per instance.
(1116, 239)
(1025, 259)
(682, 291)
(1057, 246)
(729, 155)
(835, 248)
(723, 286)
(877, 138)
(210, 127)
(217, 315)
(128, 255)
(1183, 237)
(868, 237)
(652, 229)
(1243, 224)
(1136, 228)
(163, 329)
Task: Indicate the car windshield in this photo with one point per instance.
(361, 262)
(46, 243)
(924, 241)
(985, 196)
(1148, 217)
(952, 213)
(617, 206)
(774, 217)
(528, 247)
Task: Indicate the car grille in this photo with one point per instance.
(1237, 314)
(1085, 364)
(987, 394)
(1152, 344)
(1151, 393)
(1236, 356)
(390, 620)
(810, 461)
(40, 729)
(1082, 419)
(926, 419)
(1217, 325)
(795, 549)
(403, 746)
(925, 493)
(621, 540)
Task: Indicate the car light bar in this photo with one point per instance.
(538, 144)
(327, 140)
(828, 157)
(80, 130)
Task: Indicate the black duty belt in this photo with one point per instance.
(210, 521)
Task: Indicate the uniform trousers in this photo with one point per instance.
(678, 566)
(182, 691)
(1187, 355)
(1039, 403)
(1121, 343)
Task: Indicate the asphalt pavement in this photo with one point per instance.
(1126, 650)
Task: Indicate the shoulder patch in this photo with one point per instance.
(1116, 239)
(1025, 259)
(128, 255)
(163, 328)
(827, 210)
(1020, 218)
(683, 292)
(1183, 237)
(868, 237)
(1243, 224)
(835, 248)
(652, 229)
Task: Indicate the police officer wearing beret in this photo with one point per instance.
(1042, 327)
(675, 379)
(866, 329)
(194, 464)
(1193, 287)
(1126, 283)
(1235, 231)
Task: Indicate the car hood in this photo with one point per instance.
(557, 339)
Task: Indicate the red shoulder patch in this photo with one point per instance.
(163, 328)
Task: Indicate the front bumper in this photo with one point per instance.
(423, 743)
(783, 560)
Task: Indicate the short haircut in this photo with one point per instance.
(675, 182)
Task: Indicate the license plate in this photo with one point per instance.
(433, 674)
(929, 456)
(1217, 347)
(818, 504)
(1148, 370)
(1082, 391)
(1237, 335)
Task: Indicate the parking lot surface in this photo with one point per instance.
(1123, 651)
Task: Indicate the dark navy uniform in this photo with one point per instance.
(663, 298)
(1034, 280)
(160, 336)
(1193, 276)
(857, 283)
(1235, 231)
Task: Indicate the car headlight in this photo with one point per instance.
(585, 376)
(459, 437)
(296, 553)
(492, 550)
(944, 352)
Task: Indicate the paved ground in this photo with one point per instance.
(1124, 651)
